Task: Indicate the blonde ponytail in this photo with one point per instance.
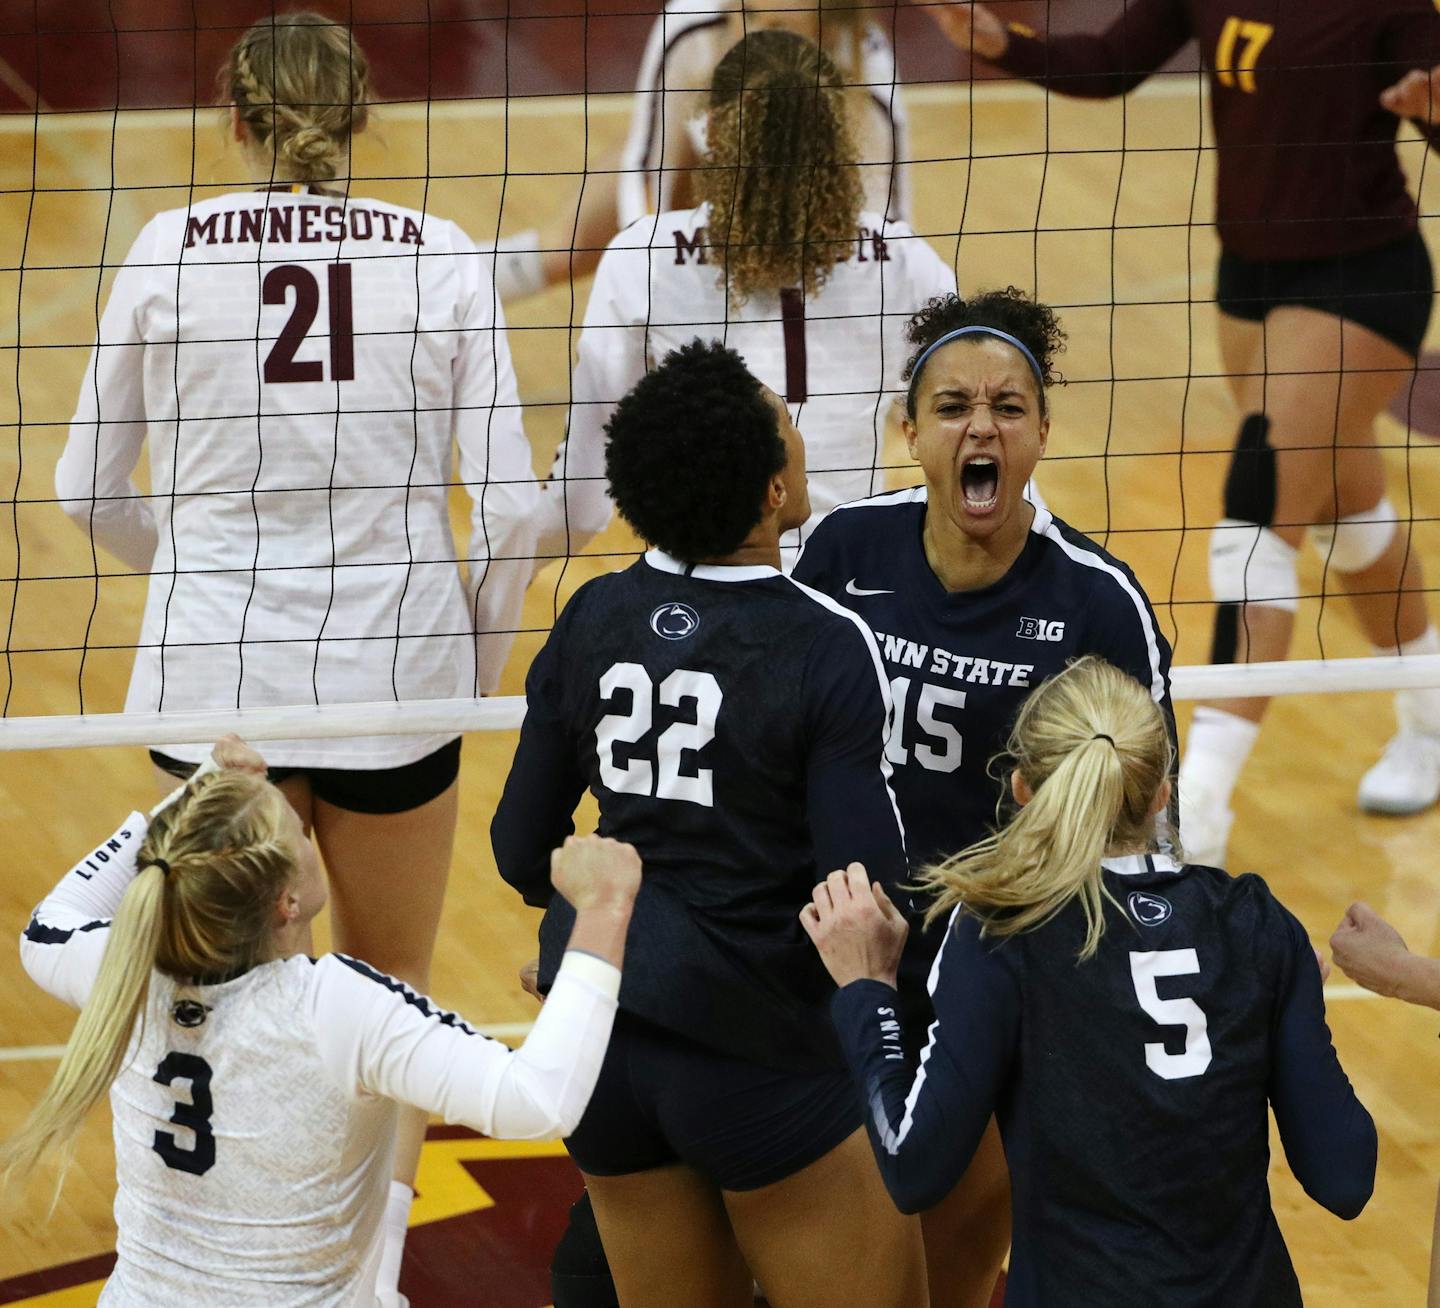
(97, 1045)
(1094, 750)
(209, 916)
(300, 84)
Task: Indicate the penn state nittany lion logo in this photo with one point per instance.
(674, 621)
(1148, 910)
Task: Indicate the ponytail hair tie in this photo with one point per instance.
(1100, 735)
(161, 864)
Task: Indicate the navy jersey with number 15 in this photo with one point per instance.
(731, 725)
(961, 664)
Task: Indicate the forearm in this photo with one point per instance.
(1097, 66)
(1417, 980)
(600, 932)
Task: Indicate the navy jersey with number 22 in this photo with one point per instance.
(731, 725)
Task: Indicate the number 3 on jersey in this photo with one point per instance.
(199, 1158)
(663, 778)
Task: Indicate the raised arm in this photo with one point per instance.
(94, 478)
(378, 1035)
(1329, 1138)
(63, 944)
(495, 467)
(924, 1124)
(1090, 65)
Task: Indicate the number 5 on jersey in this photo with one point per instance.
(663, 778)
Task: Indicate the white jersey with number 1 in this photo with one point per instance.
(303, 366)
(835, 358)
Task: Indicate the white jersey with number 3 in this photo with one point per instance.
(835, 358)
(254, 1118)
(303, 366)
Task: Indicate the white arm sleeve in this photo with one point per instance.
(495, 468)
(376, 1035)
(94, 478)
(62, 946)
(610, 359)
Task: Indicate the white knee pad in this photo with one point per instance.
(1251, 564)
(1356, 542)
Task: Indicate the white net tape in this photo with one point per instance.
(502, 713)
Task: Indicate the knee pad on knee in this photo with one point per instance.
(1250, 564)
(1357, 541)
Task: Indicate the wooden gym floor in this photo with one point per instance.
(1048, 201)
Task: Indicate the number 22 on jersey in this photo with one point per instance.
(662, 778)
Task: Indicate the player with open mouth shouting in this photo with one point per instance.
(975, 596)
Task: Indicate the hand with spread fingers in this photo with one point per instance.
(860, 934)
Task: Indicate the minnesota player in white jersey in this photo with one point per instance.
(781, 262)
(255, 1090)
(301, 362)
(668, 136)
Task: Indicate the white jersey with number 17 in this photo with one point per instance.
(302, 365)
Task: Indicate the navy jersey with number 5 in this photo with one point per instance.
(961, 664)
(1131, 1090)
(731, 725)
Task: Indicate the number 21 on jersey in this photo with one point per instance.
(662, 778)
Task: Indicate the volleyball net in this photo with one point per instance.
(496, 116)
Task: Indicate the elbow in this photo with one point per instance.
(1347, 1188)
(912, 1194)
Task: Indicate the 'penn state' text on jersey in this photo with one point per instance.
(1131, 1091)
(961, 664)
(731, 725)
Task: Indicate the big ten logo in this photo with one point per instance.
(1040, 629)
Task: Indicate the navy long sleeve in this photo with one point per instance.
(925, 1123)
(1329, 1137)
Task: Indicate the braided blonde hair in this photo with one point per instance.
(1094, 749)
(779, 171)
(301, 86)
(224, 843)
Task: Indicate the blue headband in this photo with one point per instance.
(977, 330)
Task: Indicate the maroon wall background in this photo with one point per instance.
(107, 54)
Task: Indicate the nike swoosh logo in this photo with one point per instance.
(852, 589)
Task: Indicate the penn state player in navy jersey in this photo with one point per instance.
(731, 725)
(1127, 1016)
(975, 596)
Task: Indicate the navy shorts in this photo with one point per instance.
(1388, 289)
(374, 790)
(662, 1099)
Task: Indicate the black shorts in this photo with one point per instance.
(663, 1099)
(373, 790)
(1388, 289)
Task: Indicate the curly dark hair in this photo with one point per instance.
(690, 450)
(1010, 310)
(779, 172)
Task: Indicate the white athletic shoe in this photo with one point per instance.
(1205, 824)
(1407, 777)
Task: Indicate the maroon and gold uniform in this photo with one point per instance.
(1307, 165)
